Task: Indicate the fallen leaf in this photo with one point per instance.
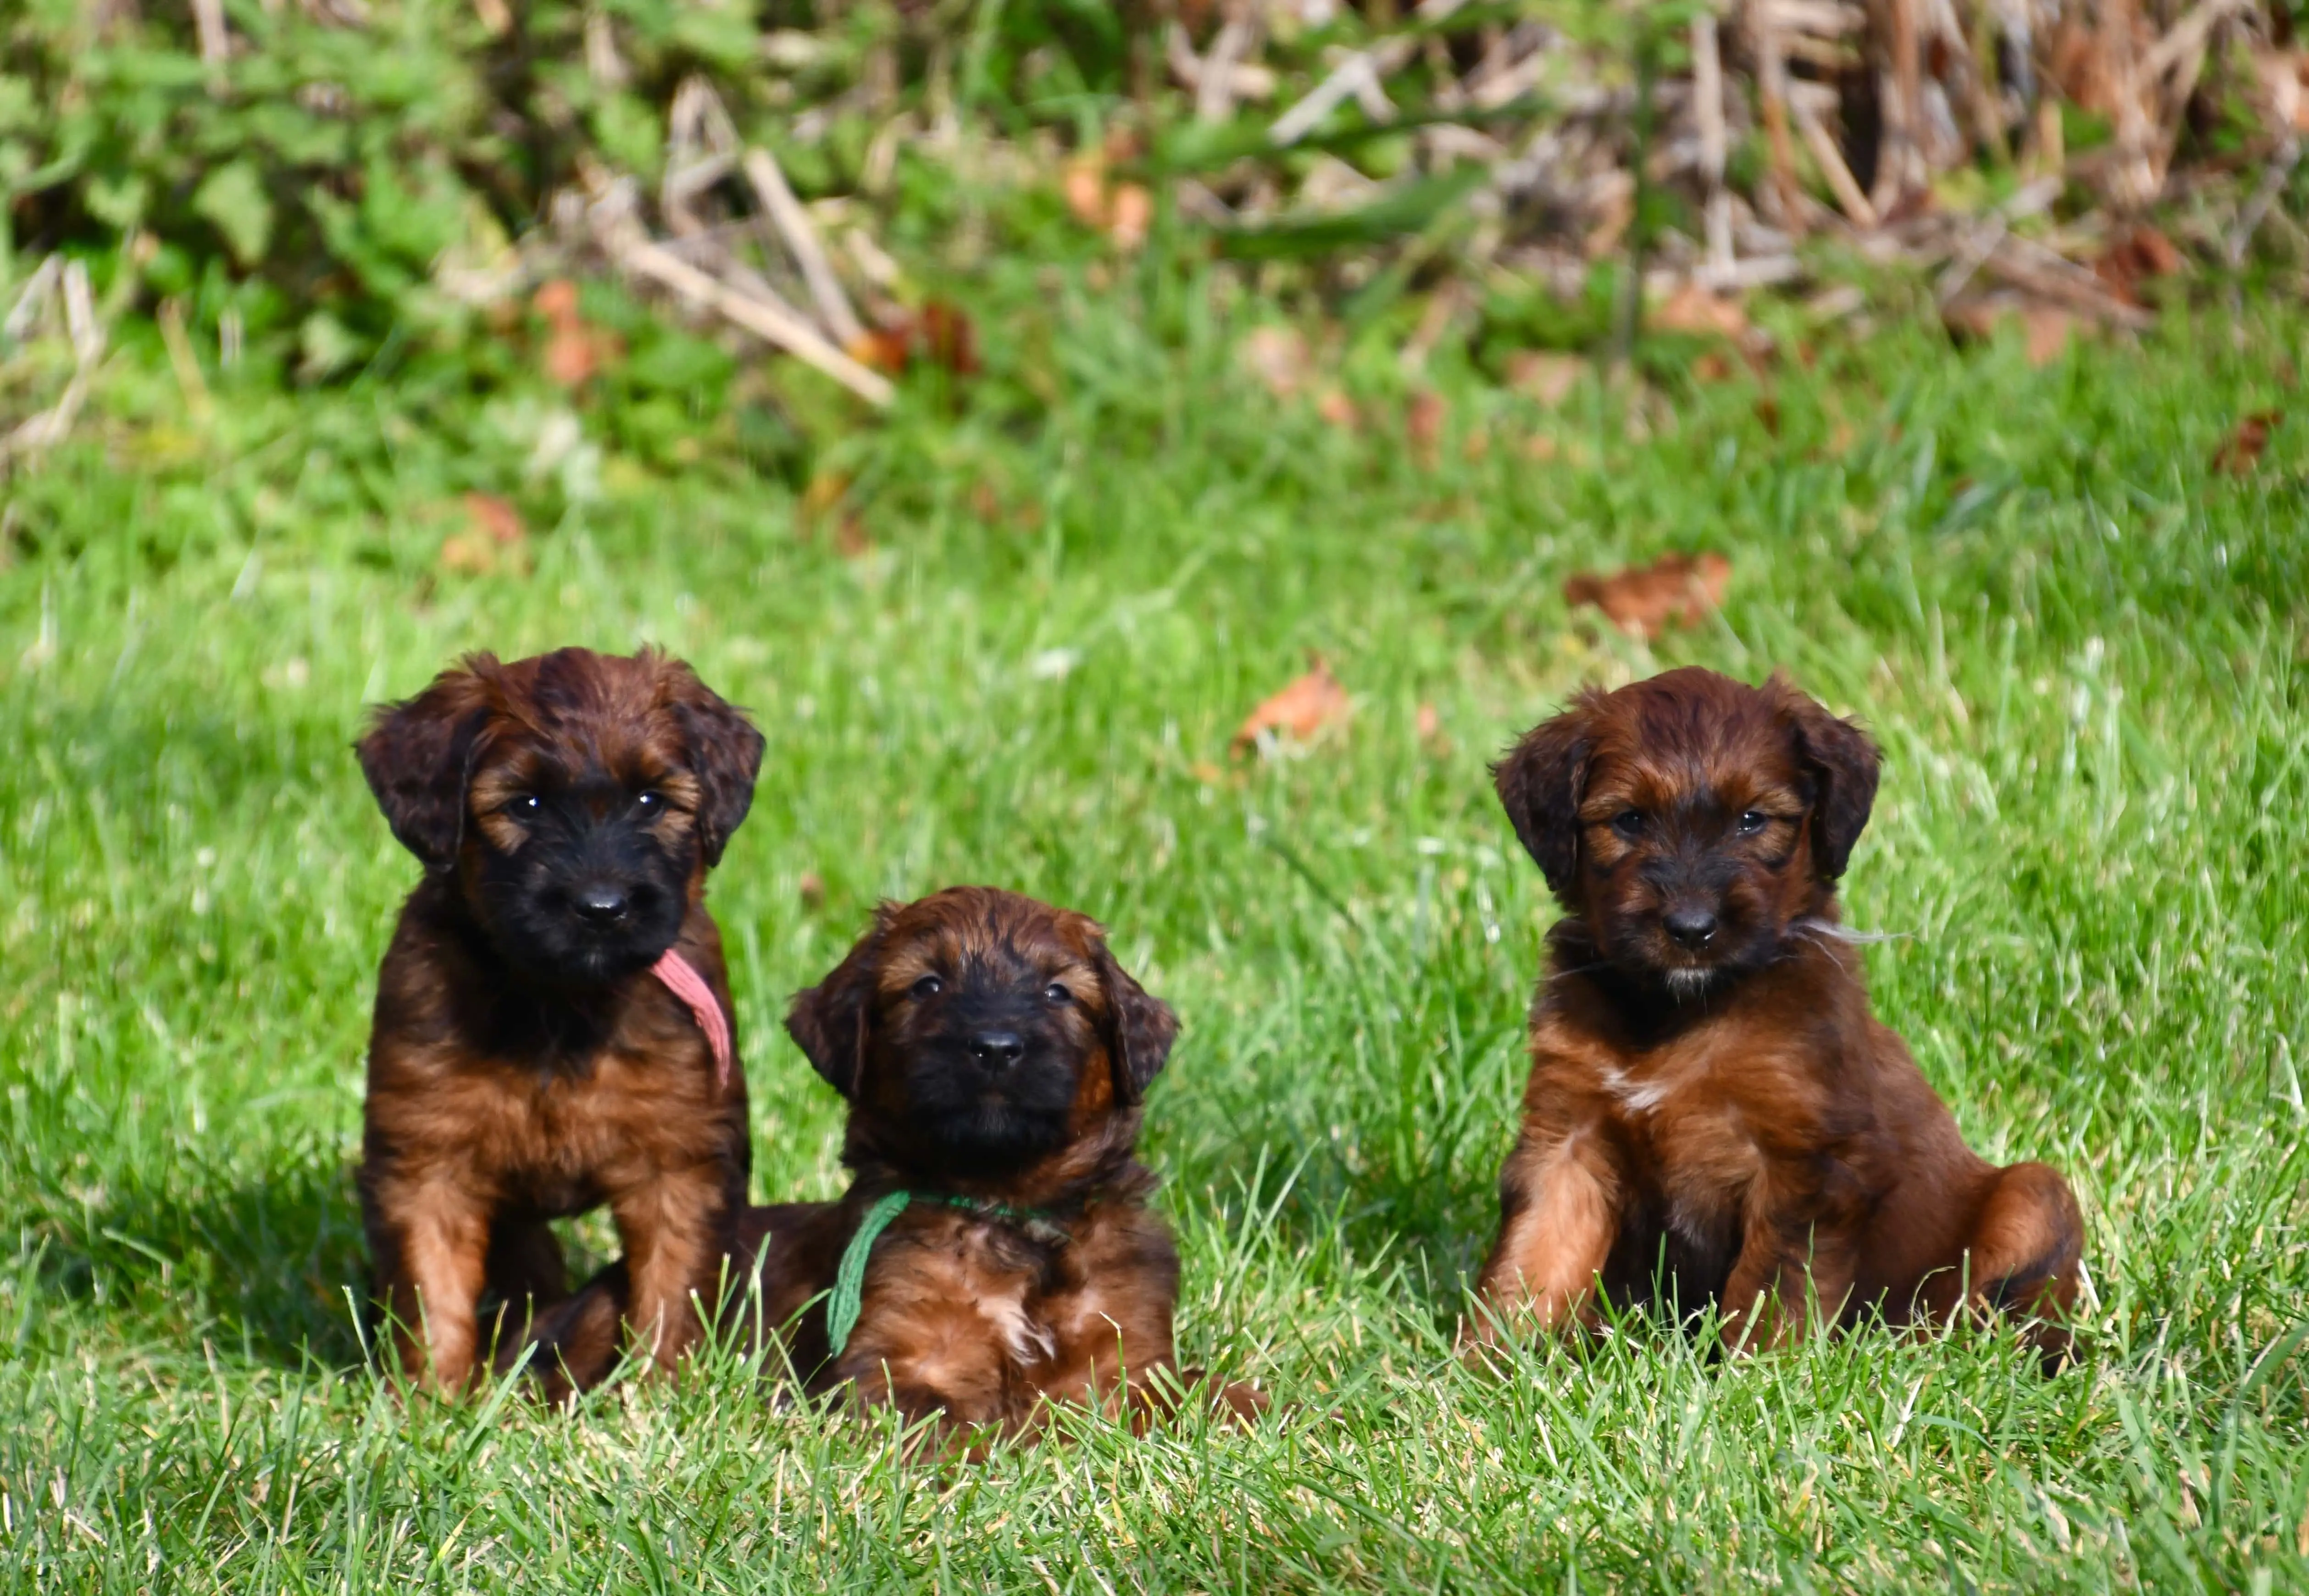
(812, 890)
(1543, 375)
(1693, 309)
(1300, 710)
(1541, 445)
(556, 301)
(1207, 773)
(940, 332)
(1643, 600)
(851, 540)
(2048, 328)
(492, 539)
(1277, 356)
(1767, 412)
(1335, 408)
(1084, 184)
(949, 337)
(1423, 424)
(494, 519)
(2240, 452)
(575, 351)
(1711, 367)
(2133, 256)
(1129, 215)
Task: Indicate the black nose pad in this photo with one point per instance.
(1690, 927)
(997, 1049)
(600, 904)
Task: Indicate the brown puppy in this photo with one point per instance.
(994, 1056)
(533, 1055)
(1713, 1112)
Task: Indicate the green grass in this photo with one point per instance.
(2083, 653)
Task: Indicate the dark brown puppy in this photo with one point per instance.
(1713, 1112)
(525, 1062)
(994, 1056)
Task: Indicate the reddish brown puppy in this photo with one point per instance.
(552, 1018)
(1713, 1113)
(1002, 1251)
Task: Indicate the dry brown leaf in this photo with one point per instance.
(2133, 256)
(1084, 184)
(2048, 328)
(1423, 424)
(1643, 600)
(1207, 773)
(1278, 358)
(493, 537)
(1693, 309)
(940, 332)
(812, 890)
(1711, 367)
(574, 351)
(1541, 445)
(2241, 451)
(1129, 215)
(1543, 375)
(1300, 710)
(1335, 408)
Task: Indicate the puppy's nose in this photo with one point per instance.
(1690, 927)
(997, 1049)
(600, 904)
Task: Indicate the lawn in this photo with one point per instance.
(1015, 652)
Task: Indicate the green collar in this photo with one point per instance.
(843, 1303)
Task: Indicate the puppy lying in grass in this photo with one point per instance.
(1713, 1112)
(995, 1252)
(552, 1028)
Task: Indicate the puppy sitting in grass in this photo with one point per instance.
(1713, 1113)
(552, 1028)
(995, 1252)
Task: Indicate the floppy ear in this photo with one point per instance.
(1539, 784)
(725, 753)
(417, 756)
(1844, 762)
(1140, 1029)
(829, 1022)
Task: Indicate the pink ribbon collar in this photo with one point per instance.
(681, 979)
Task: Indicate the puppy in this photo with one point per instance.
(553, 1027)
(995, 1252)
(1713, 1113)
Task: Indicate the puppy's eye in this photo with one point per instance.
(524, 805)
(1629, 823)
(650, 803)
(929, 986)
(1056, 992)
(1753, 821)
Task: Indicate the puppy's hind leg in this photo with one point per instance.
(575, 1342)
(2024, 1252)
(526, 1274)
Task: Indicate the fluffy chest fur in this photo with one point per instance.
(473, 1081)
